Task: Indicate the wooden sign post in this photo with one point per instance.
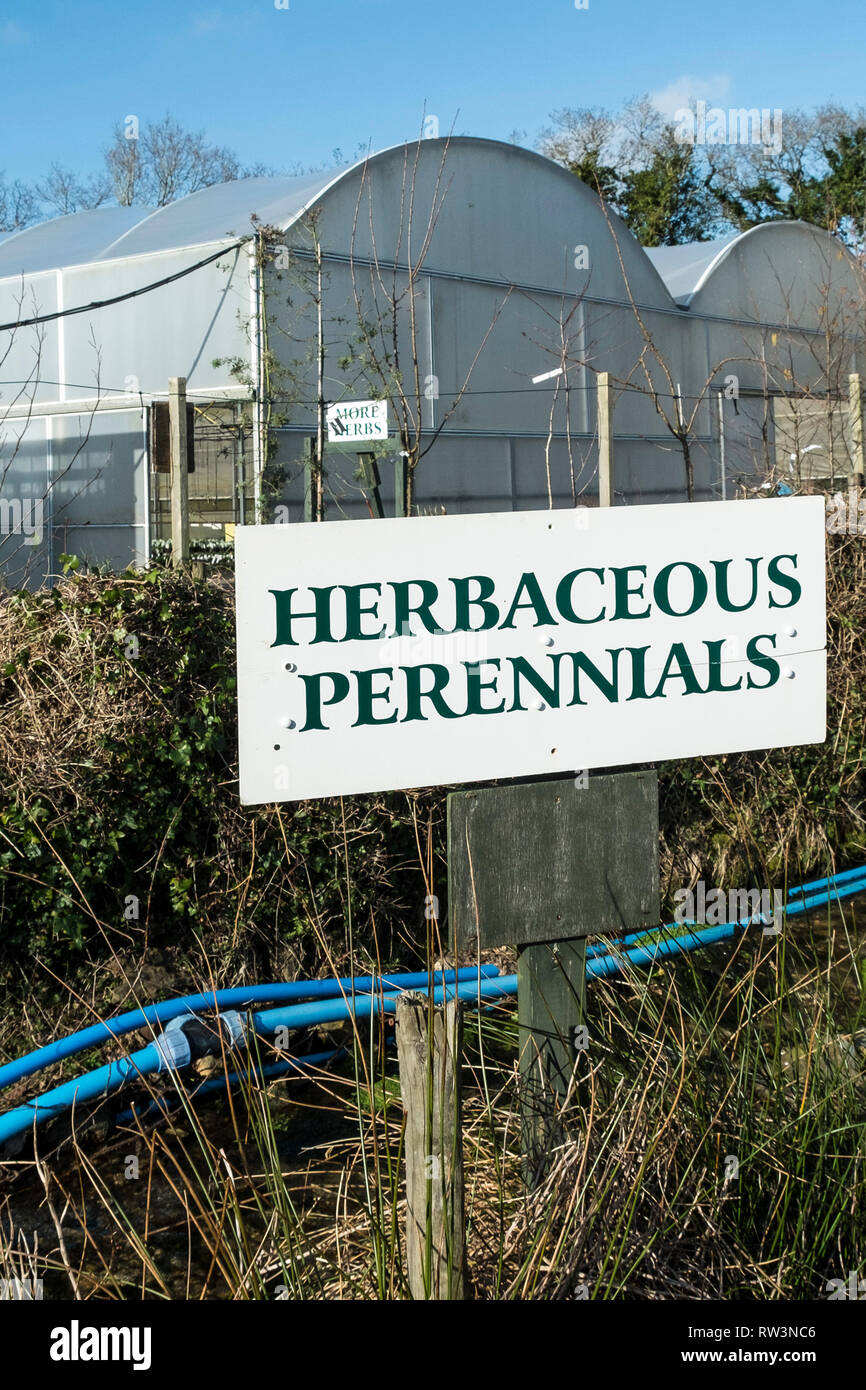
(542, 865)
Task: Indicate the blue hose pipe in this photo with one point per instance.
(370, 1005)
(840, 886)
(170, 1050)
(94, 1086)
(603, 966)
(240, 998)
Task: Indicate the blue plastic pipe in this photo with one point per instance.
(241, 998)
(840, 886)
(603, 966)
(245, 997)
(148, 1060)
(108, 1079)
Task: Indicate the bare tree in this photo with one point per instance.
(62, 192)
(19, 206)
(161, 162)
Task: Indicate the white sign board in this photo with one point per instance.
(375, 655)
(356, 423)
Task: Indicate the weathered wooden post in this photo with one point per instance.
(605, 440)
(541, 866)
(313, 481)
(429, 1044)
(179, 463)
(400, 471)
(370, 478)
(855, 418)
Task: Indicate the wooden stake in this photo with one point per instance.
(855, 417)
(313, 471)
(429, 1047)
(605, 441)
(179, 461)
(400, 485)
(370, 476)
(551, 1000)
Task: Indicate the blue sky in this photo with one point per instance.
(290, 85)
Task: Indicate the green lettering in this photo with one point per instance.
(564, 599)
(354, 612)
(662, 584)
(787, 581)
(543, 615)
(403, 609)
(723, 597)
(624, 592)
(313, 687)
(366, 696)
(550, 693)
(716, 683)
(414, 693)
(759, 658)
(486, 589)
(608, 688)
(677, 656)
(285, 616)
(475, 685)
(638, 673)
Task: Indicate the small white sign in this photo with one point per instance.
(355, 423)
(375, 655)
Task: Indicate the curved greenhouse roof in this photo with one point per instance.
(223, 212)
(218, 213)
(684, 267)
(75, 239)
(705, 268)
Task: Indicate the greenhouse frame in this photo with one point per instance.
(477, 287)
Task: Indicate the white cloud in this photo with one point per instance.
(684, 91)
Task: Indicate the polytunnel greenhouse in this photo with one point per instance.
(477, 287)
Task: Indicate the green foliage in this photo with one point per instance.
(667, 204)
(119, 778)
(670, 192)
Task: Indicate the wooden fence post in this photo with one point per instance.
(605, 441)
(855, 417)
(400, 469)
(179, 465)
(429, 1048)
(370, 478)
(551, 1014)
